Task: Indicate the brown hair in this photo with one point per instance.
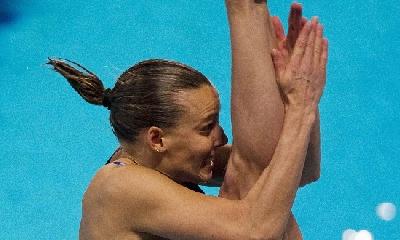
(145, 95)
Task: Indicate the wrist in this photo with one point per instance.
(304, 115)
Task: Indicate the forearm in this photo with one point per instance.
(273, 194)
(292, 230)
(312, 164)
(256, 105)
(302, 82)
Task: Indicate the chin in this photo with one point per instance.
(205, 177)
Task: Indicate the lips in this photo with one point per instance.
(208, 162)
(206, 169)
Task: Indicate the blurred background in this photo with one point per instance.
(52, 142)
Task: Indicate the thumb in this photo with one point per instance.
(278, 60)
(278, 28)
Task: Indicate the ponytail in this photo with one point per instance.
(86, 83)
(145, 95)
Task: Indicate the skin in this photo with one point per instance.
(272, 115)
(255, 137)
(139, 200)
(184, 154)
(197, 138)
(312, 164)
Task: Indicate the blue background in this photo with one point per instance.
(52, 142)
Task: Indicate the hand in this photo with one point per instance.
(296, 23)
(301, 76)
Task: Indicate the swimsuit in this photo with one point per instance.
(188, 185)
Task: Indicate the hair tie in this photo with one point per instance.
(107, 98)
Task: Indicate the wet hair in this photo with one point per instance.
(145, 95)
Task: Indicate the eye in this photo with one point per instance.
(208, 128)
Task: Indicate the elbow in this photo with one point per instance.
(272, 228)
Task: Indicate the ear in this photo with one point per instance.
(154, 137)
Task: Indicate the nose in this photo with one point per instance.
(221, 139)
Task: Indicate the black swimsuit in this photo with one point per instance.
(193, 187)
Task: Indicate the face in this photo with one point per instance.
(192, 143)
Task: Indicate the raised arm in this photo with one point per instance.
(257, 107)
(311, 171)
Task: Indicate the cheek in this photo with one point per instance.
(202, 148)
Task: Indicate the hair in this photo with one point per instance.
(145, 95)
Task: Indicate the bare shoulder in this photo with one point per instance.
(116, 193)
(134, 199)
(115, 183)
(132, 189)
(117, 199)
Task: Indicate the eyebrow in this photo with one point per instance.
(204, 121)
(211, 116)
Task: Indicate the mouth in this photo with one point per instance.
(208, 162)
(206, 168)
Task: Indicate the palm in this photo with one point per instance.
(285, 43)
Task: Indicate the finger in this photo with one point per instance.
(318, 46)
(300, 45)
(294, 28)
(307, 61)
(281, 45)
(283, 50)
(278, 28)
(303, 22)
(278, 60)
(324, 55)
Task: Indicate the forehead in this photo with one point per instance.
(200, 103)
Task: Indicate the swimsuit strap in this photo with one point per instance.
(116, 151)
(191, 186)
(119, 164)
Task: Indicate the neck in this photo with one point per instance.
(148, 160)
(139, 156)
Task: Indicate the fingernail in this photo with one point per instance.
(314, 20)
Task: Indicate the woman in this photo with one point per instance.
(165, 116)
